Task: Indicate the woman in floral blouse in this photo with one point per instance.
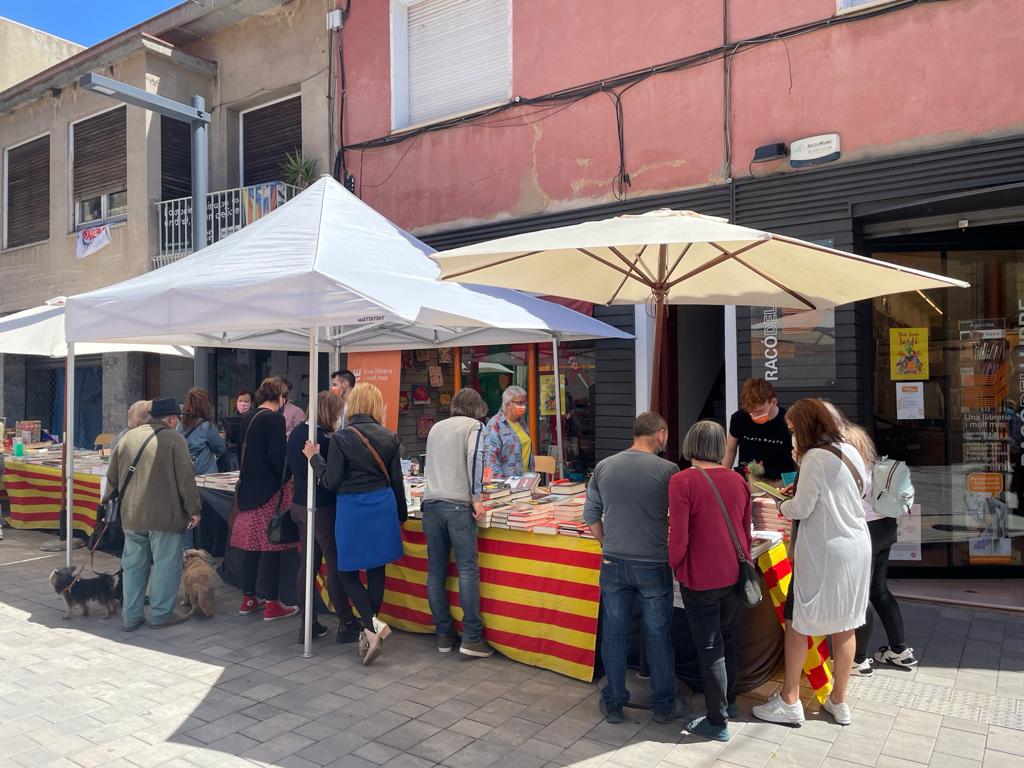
(508, 448)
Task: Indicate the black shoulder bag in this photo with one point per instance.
(109, 512)
(281, 528)
(749, 585)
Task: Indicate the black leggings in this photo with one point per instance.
(883, 536)
(368, 599)
(251, 562)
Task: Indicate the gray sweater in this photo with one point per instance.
(454, 461)
(628, 493)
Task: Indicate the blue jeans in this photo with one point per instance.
(709, 613)
(621, 582)
(448, 527)
(158, 552)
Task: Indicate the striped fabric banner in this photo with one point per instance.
(35, 493)
(539, 596)
(778, 573)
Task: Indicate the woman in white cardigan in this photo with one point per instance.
(831, 558)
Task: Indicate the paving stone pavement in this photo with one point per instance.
(235, 691)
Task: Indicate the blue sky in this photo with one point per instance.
(84, 23)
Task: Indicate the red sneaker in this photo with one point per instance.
(249, 605)
(275, 609)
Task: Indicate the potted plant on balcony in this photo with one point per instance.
(300, 170)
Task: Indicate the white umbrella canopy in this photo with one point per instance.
(40, 331)
(684, 257)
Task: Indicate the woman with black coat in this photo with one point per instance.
(364, 467)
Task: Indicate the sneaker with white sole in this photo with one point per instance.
(775, 710)
(382, 629)
(905, 658)
(864, 669)
(840, 712)
(476, 648)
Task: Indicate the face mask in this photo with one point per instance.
(763, 418)
(793, 439)
(336, 389)
(517, 410)
(243, 406)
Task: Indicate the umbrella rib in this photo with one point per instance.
(777, 284)
(631, 273)
(622, 284)
(636, 261)
(488, 266)
(678, 260)
(726, 255)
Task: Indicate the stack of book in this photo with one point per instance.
(527, 518)
(218, 481)
(567, 487)
(765, 516)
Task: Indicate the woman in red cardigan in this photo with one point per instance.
(703, 558)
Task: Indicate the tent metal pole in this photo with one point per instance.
(558, 405)
(335, 355)
(314, 377)
(69, 449)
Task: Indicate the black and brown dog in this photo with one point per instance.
(102, 589)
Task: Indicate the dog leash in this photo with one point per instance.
(92, 560)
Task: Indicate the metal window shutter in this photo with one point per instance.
(101, 155)
(268, 135)
(28, 193)
(175, 158)
(458, 56)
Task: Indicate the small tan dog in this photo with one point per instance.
(199, 582)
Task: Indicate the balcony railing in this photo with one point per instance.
(227, 211)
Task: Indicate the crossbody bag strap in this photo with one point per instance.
(725, 514)
(245, 440)
(849, 465)
(373, 452)
(135, 462)
(476, 452)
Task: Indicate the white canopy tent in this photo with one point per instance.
(324, 259)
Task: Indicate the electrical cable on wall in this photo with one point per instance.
(568, 97)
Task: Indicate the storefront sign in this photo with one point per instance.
(814, 150)
(908, 354)
(382, 369)
(793, 349)
(910, 400)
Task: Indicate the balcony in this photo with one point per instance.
(227, 211)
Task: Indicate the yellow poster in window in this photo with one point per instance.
(908, 354)
(548, 403)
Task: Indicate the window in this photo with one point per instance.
(100, 168)
(269, 133)
(27, 193)
(448, 57)
(175, 158)
(848, 6)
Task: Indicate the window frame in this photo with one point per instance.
(74, 206)
(862, 6)
(400, 95)
(241, 127)
(5, 194)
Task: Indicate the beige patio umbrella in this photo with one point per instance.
(679, 257)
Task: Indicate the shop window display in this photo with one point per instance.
(949, 400)
(577, 366)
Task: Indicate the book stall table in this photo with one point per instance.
(34, 485)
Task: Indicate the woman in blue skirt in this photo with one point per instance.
(364, 468)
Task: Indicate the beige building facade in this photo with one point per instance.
(74, 159)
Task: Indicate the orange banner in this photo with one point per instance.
(384, 370)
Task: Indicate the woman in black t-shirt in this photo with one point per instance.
(759, 432)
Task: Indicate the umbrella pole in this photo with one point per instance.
(307, 617)
(558, 406)
(69, 450)
(659, 330)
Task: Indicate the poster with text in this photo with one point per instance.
(908, 537)
(547, 395)
(908, 354)
(383, 369)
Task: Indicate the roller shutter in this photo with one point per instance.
(28, 193)
(101, 155)
(268, 135)
(175, 158)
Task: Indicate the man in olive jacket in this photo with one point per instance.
(160, 502)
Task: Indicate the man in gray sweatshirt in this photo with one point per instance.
(451, 507)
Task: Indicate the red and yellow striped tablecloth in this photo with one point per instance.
(778, 575)
(34, 492)
(539, 596)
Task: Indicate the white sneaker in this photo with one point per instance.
(775, 710)
(904, 659)
(864, 669)
(840, 712)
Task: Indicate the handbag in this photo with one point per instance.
(109, 512)
(749, 585)
(281, 528)
(380, 463)
(241, 463)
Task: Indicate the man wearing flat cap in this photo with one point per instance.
(152, 472)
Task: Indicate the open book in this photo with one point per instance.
(771, 490)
